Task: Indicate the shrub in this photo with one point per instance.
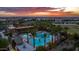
(3, 43)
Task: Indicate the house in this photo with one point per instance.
(2, 35)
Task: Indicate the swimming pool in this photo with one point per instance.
(39, 38)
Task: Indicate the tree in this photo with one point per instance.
(41, 48)
(76, 36)
(54, 31)
(68, 49)
(76, 39)
(77, 23)
(34, 35)
(45, 36)
(51, 45)
(27, 37)
(65, 30)
(64, 33)
(4, 43)
(13, 44)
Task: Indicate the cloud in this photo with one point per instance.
(57, 9)
(39, 11)
(5, 13)
(74, 10)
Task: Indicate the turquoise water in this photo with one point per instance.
(39, 39)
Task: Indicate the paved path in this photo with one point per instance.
(25, 47)
(65, 44)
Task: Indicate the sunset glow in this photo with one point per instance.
(39, 11)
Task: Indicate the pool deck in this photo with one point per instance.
(39, 41)
(25, 47)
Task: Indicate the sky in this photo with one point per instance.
(39, 8)
(39, 11)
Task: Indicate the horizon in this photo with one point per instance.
(38, 11)
(37, 16)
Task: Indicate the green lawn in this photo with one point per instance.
(73, 30)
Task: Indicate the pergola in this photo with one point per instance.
(19, 28)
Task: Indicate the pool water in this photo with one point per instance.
(39, 39)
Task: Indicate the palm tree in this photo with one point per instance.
(52, 35)
(65, 33)
(55, 29)
(34, 35)
(35, 24)
(65, 29)
(75, 37)
(13, 44)
(42, 25)
(45, 36)
(27, 38)
(9, 34)
(71, 36)
(53, 32)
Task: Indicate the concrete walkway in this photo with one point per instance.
(25, 47)
(65, 44)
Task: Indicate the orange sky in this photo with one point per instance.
(38, 11)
